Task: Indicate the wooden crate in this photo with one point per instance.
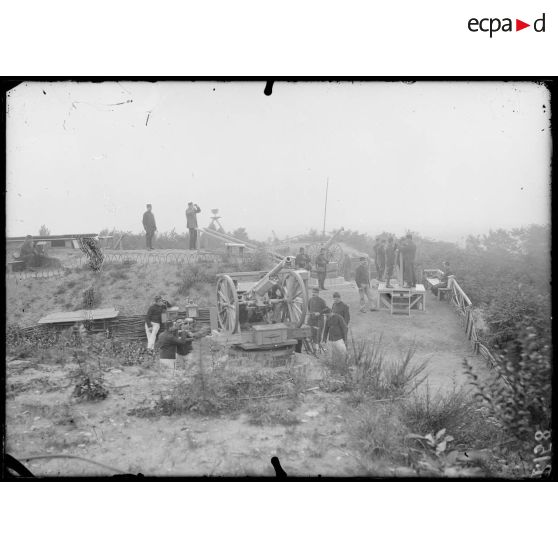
(270, 334)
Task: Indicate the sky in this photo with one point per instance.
(445, 159)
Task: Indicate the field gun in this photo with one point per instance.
(334, 252)
(277, 296)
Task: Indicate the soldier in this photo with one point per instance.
(339, 307)
(316, 306)
(321, 268)
(192, 223)
(381, 258)
(362, 278)
(390, 259)
(153, 320)
(376, 249)
(408, 251)
(149, 226)
(335, 330)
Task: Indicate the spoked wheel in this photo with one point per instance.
(296, 298)
(335, 253)
(227, 304)
(313, 250)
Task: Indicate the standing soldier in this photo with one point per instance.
(321, 268)
(335, 330)
(408, 251)
(362, 278)
(192, 223)
(316, 306)
(376, 249)
(390, 259)
(153, 321)
(381, 255)
(149, 226)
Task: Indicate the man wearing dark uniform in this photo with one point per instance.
(316, 306)
(362, 278)
(408, 251)
(321, 268)
(149, 226)
(192, 223)
(339, 307)
(390, 259)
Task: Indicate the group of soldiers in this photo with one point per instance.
(150, 225)
(386, 254)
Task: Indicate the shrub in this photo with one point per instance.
(456, 411)
(193, 276)
(369, 374)
(518, 391)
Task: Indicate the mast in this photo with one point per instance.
(325, 207)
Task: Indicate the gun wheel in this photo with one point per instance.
(295, 304)
(227, 304)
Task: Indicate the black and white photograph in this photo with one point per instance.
(294, 278)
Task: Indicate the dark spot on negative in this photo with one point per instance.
(44, 92)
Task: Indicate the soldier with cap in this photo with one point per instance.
(335, 331)
(149, 226)
(339, 307)
(316, 306)
(321, 268)
(192, 223)
(153, 321)
(362, 278)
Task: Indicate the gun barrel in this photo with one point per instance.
(264, 284)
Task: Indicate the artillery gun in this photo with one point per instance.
(248, 298)
(334, 252)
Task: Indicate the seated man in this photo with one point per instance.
(444, 280)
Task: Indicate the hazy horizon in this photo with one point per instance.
(445, 159)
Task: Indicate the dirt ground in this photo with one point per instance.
(436, 334)
(42, 418)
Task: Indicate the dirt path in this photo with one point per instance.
(436, 333)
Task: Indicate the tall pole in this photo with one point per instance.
(325, 207)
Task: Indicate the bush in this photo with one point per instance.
(518, 391)
(368, 373)
(193, 276)
(456, 411)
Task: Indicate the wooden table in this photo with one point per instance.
(418, 296)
